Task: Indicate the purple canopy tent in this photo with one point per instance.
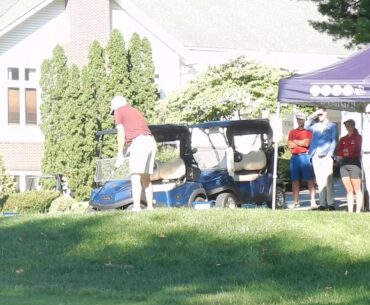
(344, 85)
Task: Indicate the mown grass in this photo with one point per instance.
(186, 256)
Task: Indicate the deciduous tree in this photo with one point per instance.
(240, 88)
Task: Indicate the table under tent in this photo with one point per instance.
(344, 85)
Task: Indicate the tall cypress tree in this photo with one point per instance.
(134, 61)
(148, 93)
(117, 62)
(73, 111)
(53, 83)
(76, 105)
(94, 115)
(141, 67)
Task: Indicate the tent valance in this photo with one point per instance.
(344, 85)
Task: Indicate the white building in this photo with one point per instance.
(186, 37)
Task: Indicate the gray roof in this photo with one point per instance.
(11, 10)
(277, 25)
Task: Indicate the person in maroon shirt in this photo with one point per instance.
(349, 156)
(300, 164)
(134, 134)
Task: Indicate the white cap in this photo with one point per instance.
(300, 116)
(117, 102)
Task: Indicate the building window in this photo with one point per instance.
(17, 183)
(31, 107)
(31, 183)
(13, 74)
(30, 74)
(13, 106)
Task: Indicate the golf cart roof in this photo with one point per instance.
(162, 133)
(240, 127)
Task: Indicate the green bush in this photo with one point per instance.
(284, 171)
(283, 168)
(31, 201)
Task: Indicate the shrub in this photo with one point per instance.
(62, 204)
(283, 168)
(7, 183)
(31, 201)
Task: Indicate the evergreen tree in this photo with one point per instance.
(134, 61)
(141, 68)
(118, 74)
(53, 83)
(346, 19)
(76, 105)
(148, 94)
(74, 115)
(94, 115)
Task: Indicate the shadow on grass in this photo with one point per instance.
(177, 265)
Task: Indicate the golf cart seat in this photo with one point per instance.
(211, 145)
(168, 175)
(250, 166)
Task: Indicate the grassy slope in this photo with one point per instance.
(185, 256)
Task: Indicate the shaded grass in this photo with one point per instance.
(185, 256)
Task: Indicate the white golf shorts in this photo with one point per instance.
(142, 154)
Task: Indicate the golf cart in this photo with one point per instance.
(236, 161)
(175, 177)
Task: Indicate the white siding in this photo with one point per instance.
(26, 46)
(166, 60)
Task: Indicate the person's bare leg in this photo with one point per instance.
(356, 183)
(148, 189)
(312, 190)
(136, 190)
(349, 189)
(295, 189)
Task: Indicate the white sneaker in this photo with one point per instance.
(293, 206)
(150, 209)
(136, 210)
(314, 205)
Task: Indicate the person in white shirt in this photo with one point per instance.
(321, 151)
(366, 147)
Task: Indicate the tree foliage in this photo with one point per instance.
(240, 88)
(142, 89)
(346, 19)
(76, 105)
(118, 73)
(7, 183)
(53, 83)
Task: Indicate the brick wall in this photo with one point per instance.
(22, 156)
(88, 22)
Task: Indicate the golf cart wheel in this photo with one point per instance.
(199, 199)
(226, 200)
(279, 198)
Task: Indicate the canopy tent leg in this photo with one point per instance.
(274, 175)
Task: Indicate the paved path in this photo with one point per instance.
(304, 197)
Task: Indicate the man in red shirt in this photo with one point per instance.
(134, 133)
(300, 164)
(349, 156)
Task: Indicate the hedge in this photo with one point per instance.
(30, 201)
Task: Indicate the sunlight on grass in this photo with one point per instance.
(185, 256)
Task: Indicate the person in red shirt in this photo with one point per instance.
(134, 133)
(349, 156)
(300, 164)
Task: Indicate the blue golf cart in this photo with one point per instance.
(236, 160)
(175, 178)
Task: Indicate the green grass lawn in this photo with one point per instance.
(186, 256)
